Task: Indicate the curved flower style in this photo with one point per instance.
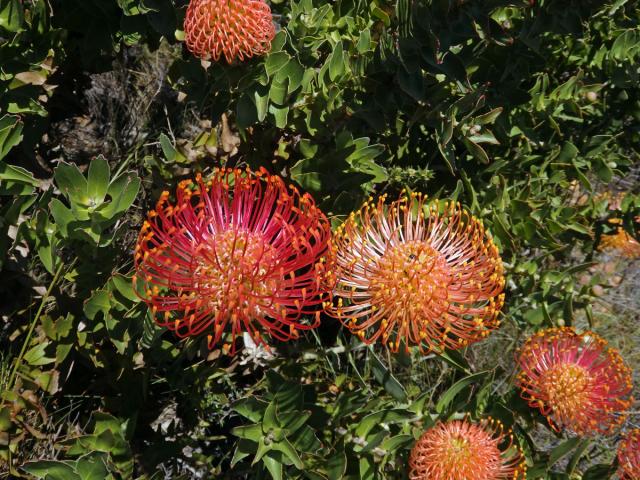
(629, 456)
(575, 380)
(622, 242)
(461, 450)
(415, 275)
(236, 28)
(240, 252)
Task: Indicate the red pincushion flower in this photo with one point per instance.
(240, 252)
(575, 380)
(236, 28)
(406, 272)
(461, 450)
(629, 456)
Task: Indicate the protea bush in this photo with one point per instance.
(321, 240)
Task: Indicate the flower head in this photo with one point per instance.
(622, 242)
(407, 272)
(575, 380)
(236, 28)
(461, 450)
(629, 456)
(240, 252)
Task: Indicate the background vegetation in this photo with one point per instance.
(526, 112)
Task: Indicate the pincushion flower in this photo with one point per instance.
(622, 242)
(407, 272)
(241, 252)
(237, 29)
(575, 380)
(461, 450)
(629, 456)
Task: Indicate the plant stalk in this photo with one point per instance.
(32, 327)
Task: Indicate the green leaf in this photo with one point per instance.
(534, 316)
(244, 448)
(270, 420)
(364, 41)
(388, 381)
(586, 183)
(292, 74)
(261, 99)
(336, 62)
(456, 360)
(561, 450)
(123, 191)
(626, 45)
(274, 467)
(275, 61)
(381, 15)
(396, 415)
(292, 421)
(103, 422)
(170, 152)
(92, 467)
(567, 153)
(98, 180)
(485, 137)
(124, 286)
(582, 447)
(600, 471)
(476, 150)
(277, 92)
(62, 216)
(250, 432)
(37, 355)
(11, 15)
(392, 444)
(250, 408)
(51, 470)
(285, 447)
(16, 180)
(5, 419)
(336, 465)
(10, 133)
(100, 301)
(488, 117)
(447, 397)
(367, 468)
(280, 115)
(71, 182)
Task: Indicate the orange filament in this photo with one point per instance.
(408, 273)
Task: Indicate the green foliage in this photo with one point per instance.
(528, 113)
(95, 203)
(105, 454)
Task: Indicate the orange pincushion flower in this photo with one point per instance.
(575, 380)
(236, 28)
(622, 242)
(406, 272)
(240, 252)
(461, 450)
(629, 456)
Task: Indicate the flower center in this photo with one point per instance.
(566, 386)
(237, 272)
(460, 456)
(459, 450)
(412, 277)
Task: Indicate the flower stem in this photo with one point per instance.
(25, 344)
